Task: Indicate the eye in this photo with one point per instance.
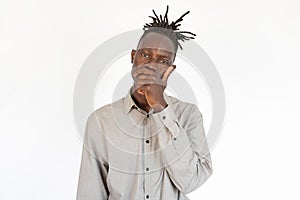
(144, 55)
(166, 62)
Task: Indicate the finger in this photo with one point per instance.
(146, 77)
(142, 83)
(152, 79)
(150, 67)
(167, 73)
(147, 69)
(142, 71)
(143, 68)
(141, 89)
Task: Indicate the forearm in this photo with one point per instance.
(186, 168)
(184, 150)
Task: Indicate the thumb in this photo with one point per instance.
(167, 73)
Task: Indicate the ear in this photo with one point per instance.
(132, 55)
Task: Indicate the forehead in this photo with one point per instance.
(157, 41)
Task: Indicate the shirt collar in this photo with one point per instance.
(129, 103)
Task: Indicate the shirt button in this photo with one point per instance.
(174, 138)
(147, 141)
(164, 117)
(147, 196)
(147, 169)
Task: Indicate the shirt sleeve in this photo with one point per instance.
(93, 170)
(184, 151)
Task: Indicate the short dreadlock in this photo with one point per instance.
(162, 26)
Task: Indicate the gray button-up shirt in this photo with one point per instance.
(129, 154)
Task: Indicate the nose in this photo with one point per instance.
(152, 67)
(154, 64)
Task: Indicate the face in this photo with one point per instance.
(156, 51)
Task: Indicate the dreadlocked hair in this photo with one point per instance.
(161, 24)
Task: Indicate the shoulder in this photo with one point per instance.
(184, 107)
(106, 111)
(188, 114)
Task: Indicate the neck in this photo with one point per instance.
(140, 100)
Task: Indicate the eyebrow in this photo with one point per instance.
(169, 56)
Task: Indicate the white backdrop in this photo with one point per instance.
(255, 46)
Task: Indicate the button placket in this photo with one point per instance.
(147, 161)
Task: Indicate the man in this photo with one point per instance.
(147, 145)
